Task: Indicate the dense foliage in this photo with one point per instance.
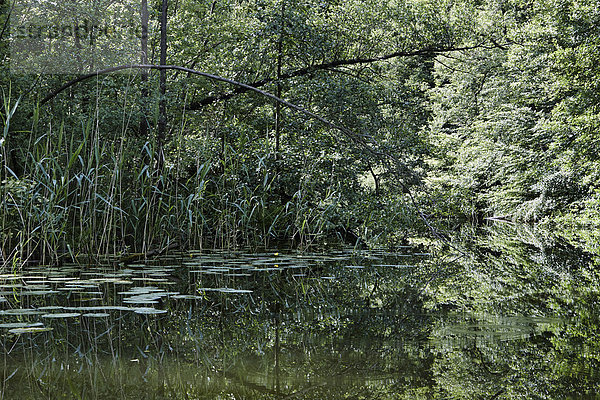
(517, 122)
(458, 110)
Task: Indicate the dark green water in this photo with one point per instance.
(513, 314)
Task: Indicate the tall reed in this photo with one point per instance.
(88, 189)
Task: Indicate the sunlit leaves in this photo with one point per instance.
(519, 115)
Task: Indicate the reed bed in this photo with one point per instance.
(82, 193)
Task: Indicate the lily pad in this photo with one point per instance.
(224, 290)
(35, 329)
(230, 290)
(139, 290)
(140, 301)
(36, 287)
(148, 279)
(98, 308)
(61, 315)
(96, 315)
(21, 311)
(50, 308)
(148, 310)
(396, 265)
(13, 325)
(187, 297)
(38, 292)
(37, 282)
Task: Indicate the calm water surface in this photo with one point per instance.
(511, 313)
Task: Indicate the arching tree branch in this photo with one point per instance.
(197, 105)
(350, 134)
(359, 139)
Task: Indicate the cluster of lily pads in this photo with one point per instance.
(39, 294)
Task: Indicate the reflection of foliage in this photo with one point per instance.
(298, 333)
(546, 291)
(515, 318)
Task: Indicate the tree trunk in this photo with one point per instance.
(162, 105)
(278, 93)
(144, 60)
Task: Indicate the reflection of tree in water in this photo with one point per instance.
(320, 338)
(516, 317)
(526, 320)
(299, 333)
